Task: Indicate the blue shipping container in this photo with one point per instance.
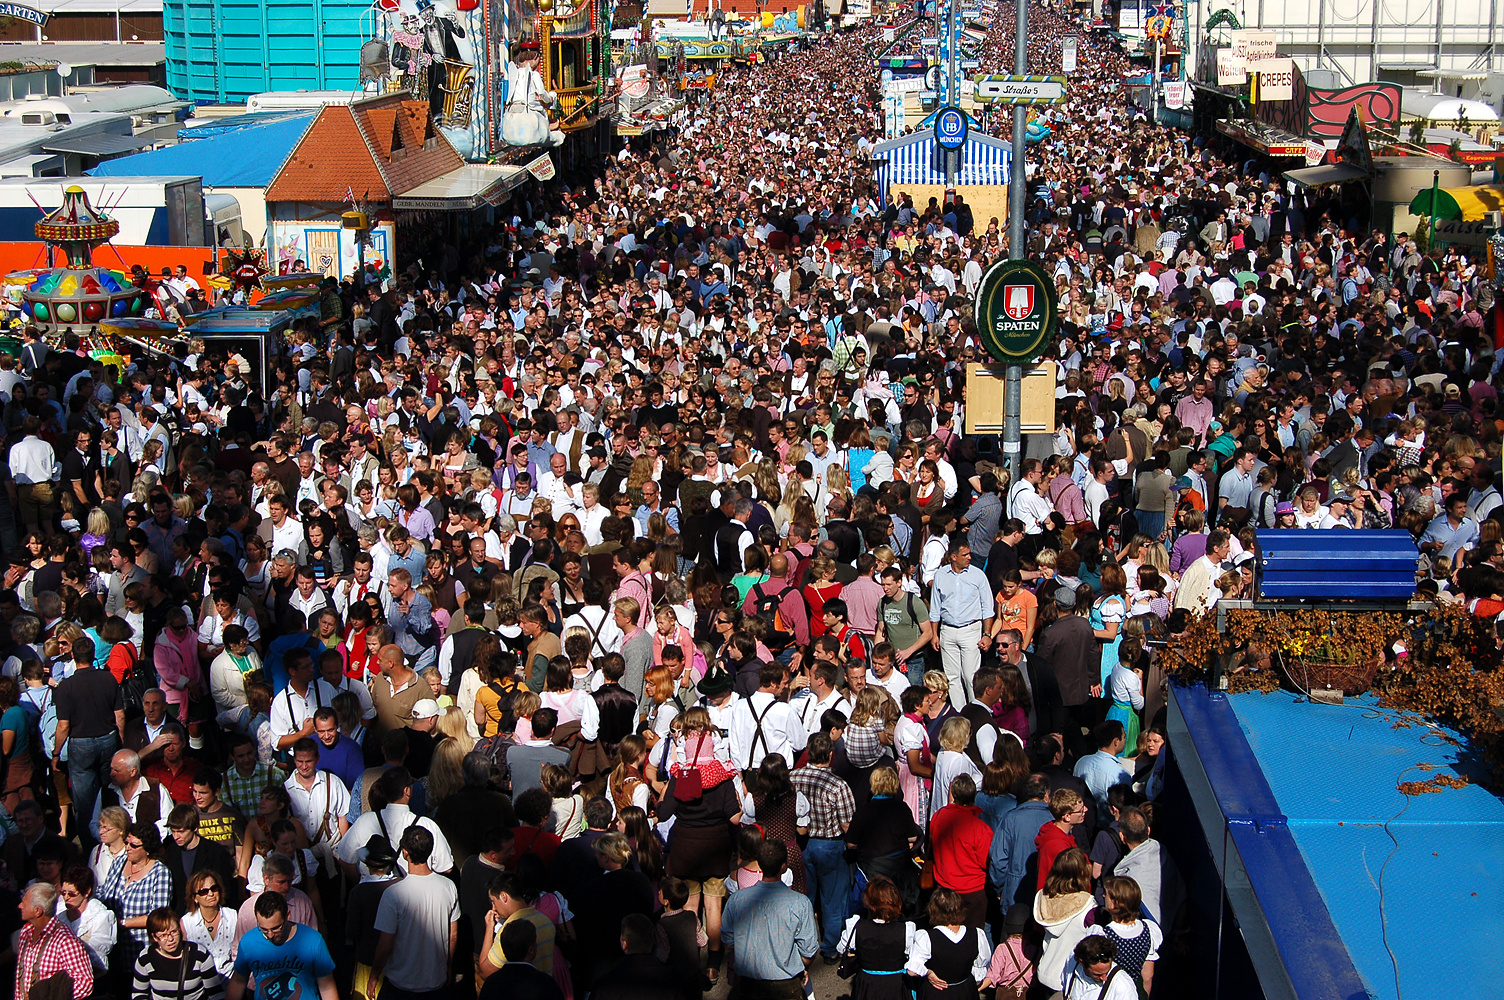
(219, 51)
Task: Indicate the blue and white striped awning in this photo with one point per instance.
(910, 160)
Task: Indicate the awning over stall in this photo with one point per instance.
(464, 189)
(1264, 138)
(1331, 173)
(911, 160)
(1466, 204)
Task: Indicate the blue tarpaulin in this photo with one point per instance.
(245, 157)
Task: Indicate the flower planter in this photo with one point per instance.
(1307, 675)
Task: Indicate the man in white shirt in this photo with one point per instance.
(821, 696)
(553, 488)
(319, 801)
(292, 710)
(1025, 501)
(884, 675)
(1198, 585)
(418, 920)
(765, 724)
(281, 530)
(34, 468)
(1102, 473)
(356, 589)
(393, 821)
(130, 789)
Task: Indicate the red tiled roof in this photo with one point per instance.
(329, 160)
(383, 119)
(350, 148)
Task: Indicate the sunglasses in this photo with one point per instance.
(207, 890)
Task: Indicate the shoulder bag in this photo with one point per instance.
(689, 786)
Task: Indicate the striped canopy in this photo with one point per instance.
(910, 160)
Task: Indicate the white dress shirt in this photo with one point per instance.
(782, 731)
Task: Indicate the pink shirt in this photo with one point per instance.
(177, 666)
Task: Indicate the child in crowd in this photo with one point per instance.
(680, 935)
(1011, 971)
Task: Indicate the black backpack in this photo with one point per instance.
(493, 751)
(766, 608)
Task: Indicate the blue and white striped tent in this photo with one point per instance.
(910, 159)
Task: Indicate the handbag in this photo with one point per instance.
(688, 785)
(848, 966)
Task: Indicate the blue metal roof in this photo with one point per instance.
(246, 157)
(1306, 791)
(234, 123)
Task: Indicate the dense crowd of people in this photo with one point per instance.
(618, 605)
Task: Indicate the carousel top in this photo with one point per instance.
(78, 227)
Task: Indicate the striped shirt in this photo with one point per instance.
(192, 974)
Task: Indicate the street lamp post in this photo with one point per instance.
(1017, 196)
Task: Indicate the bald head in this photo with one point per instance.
(778, 565)
(392, 659)
(125, 767)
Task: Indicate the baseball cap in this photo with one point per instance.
(425, 708)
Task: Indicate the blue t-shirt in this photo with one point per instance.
(17, 721)
(290, 971)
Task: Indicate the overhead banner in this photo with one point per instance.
(1276, 79)
(1068, 55)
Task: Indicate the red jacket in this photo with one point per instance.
(1051, 841)
(961, 840)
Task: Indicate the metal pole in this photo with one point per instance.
(1435, 190)
(952, 86)
(1154, 84)
(1013, 384)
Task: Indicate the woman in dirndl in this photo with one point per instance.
(876, 944)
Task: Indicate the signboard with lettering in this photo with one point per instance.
(1460, 231)
(1175, 94)
(1251, 46)
(1276, 79)
(1231, 72)
(950, 128)
(1068, 54)
(1021, 89)
(1015, 310)
(27, 14)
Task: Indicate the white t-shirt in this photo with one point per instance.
(419, 910)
